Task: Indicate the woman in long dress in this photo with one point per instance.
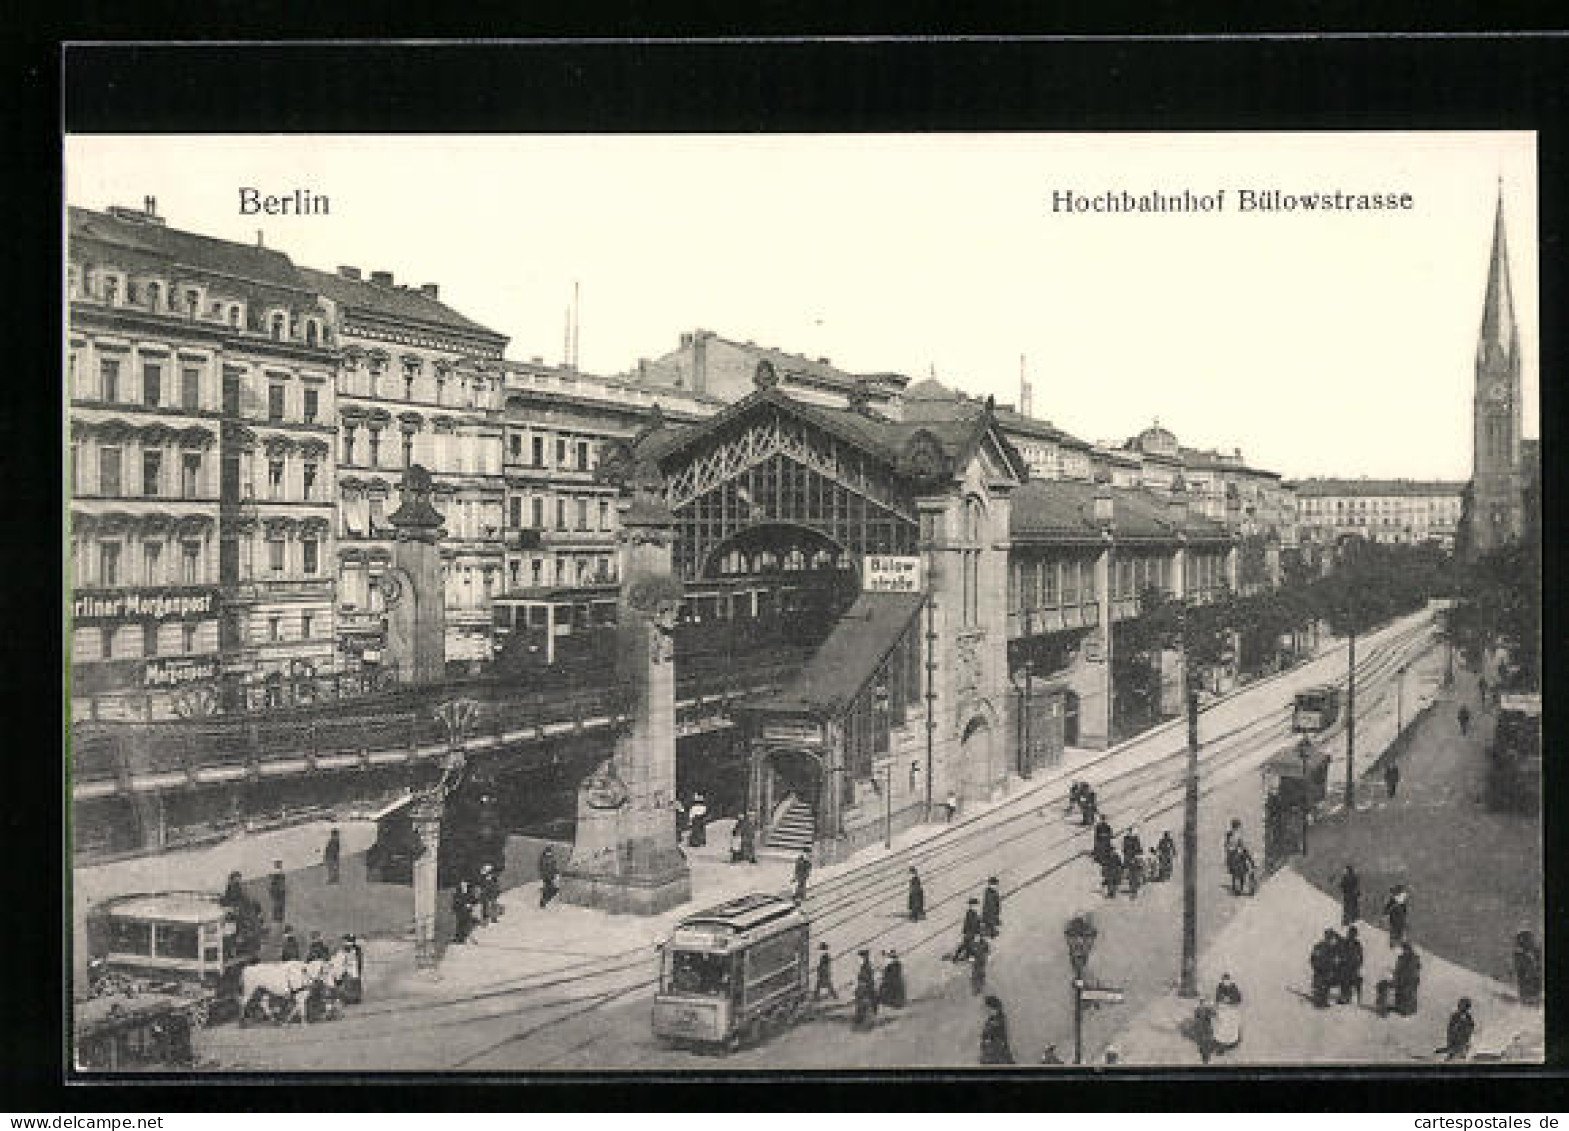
(995, 1048)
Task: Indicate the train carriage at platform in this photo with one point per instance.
(730, 974)
(1316, 709)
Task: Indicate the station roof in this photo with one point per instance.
(1063, 510)
(840, 669)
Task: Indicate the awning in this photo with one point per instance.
(840, 670)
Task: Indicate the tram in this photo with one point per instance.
(1316, 709)
(179, 941)
(729, 974)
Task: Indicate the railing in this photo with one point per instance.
(388, 728)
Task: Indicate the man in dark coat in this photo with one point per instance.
(1398, 909)
(917, 897)
(1102, 840)
(290, 949)
(748, 837)
(1463, 716)
(1349, 976)
(489, 894)
(1461, 1025)
(1133, 868)
(1087, 806)
(1408, 976)
(978, 959)
(1350, 896)
(825, 975)
(865, 992)
(1165, 855)
(995, 1048)
(278, 890)
(968, 933)
(1131, 844)
(332, 855)
(1324, 960)
(891, 992)
(1111, 871)
(462, 912)
(803, 872)
(991, 908)
(1392, 779)
(1528, 968)
(548, 871)
(233, 896)
(317, 950)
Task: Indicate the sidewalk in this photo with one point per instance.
(1265, 949)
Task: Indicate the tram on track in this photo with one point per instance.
(729, 975)
(1316, 709)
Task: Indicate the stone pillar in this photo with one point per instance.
(425, 813)
(411, 590)
(625, 857)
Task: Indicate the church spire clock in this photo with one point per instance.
(1496, 501)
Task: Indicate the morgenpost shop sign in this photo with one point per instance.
(120, 606)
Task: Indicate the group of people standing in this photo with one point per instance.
(1130, 865)
(476, 902)
(874, 989)
(251, 931)
(982, 923)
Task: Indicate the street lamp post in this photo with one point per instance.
(1305, 751)
(1189, 985)
(1080, 934)
(1351, 723)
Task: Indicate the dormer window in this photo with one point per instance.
(111, 290)
(278, 326)
(154, 296)
(193, 302)
(311, 333)
(234, 315)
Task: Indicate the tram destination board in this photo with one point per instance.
(885, 574)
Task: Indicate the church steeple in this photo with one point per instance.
(1500, 337)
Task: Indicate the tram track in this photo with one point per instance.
(840, 900)
(1381, 659)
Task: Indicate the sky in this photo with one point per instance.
(1323, 343)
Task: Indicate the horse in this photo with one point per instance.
(294, 981)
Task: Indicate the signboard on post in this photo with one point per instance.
(887, 574)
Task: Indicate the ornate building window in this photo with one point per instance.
(190, 563)
(108, 564)
(109, 471)
(152, 382)
(310, 556)
(312, 405)
(152, 472)
(152, 563)
(109, 379)
(190, 474)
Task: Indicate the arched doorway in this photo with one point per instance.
(975, 754)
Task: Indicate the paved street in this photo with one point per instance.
(566, 988)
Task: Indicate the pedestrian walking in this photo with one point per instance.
(917, 899)
(1131, 844)
(743, 841)
(332, 855)
(865, 992)
(995, 1047)
(1133, 866)
(1528, 968)
(892, 991)
(317, 950)
(803, 872)
(548, 871)
(1324, 962)
(1481, 691)
(1166, 855)
(1204, 1029)
(462, 912)
(1349, 974)
(951, 805)
(1463, 717)
(289, 950)
(697, 822)
(1233, 836)
(1391, 779)
(825, 975)
(1457, 1044)
(278, 890)
(969, 932)
(1398, 909)
(489, 895)
(1350, 896)
(1111, 872)
(1102, 841)
(978, 959)
(1408, 977)
(1075, 795)
(1087, 806)
(233, 896)
(991, 908)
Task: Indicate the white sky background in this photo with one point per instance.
(1320, 343)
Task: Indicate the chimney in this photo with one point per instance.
(381, 278)
(538, 360)
(686, 340)
(150, 205)
(700, 361)
(642, 369)
(259, 242)
(824, 361)
(430, 290)
(349, 272)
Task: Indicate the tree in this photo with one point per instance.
(1499, 604)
